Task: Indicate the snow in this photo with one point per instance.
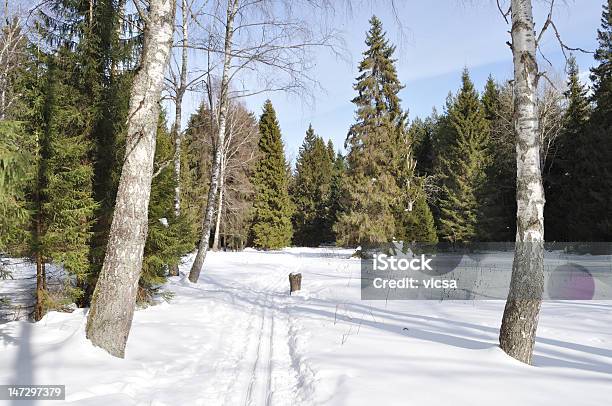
(238, 338)
(19, 288)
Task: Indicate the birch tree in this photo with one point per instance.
(239, 151)
(13, 39)
(112, 308)
(181, 88)
(262, 37)
(520, 319)
(232, 9)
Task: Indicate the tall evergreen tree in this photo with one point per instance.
(371, 189)
(463, 166)
(593, 222)
(68, 206)
(423, 133)
(336, 192)
(311, 191)
(565, 187)
(413, 218)
(88, 42)
(271, 227)
(491, 99)
(498, 199)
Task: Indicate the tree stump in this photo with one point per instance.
(295, 282)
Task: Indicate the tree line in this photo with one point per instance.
(93, 179)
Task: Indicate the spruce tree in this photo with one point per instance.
(423, 133)
(311, 192)
(413, 218)
(271, 228)
(371, 189)
(463, 166)
(498, 199)
(565, 186)
(68, 206)
(20, 133)
(490, 99)
(593, 219)
(101, 54)
(336, 193)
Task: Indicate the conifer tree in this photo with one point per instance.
(20, 133)
(423, 133)
(498, 199)
(100, 55)
(371, 189)
(463, 166)
(68, 206)
(490, 99)
(593, 221)
(413, 218)
(311, 191)
(271, 228)
(565, 191)
(336, 193)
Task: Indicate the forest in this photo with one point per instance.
(112, 174)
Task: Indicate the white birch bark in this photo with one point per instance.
(215, 246)
(520, 321)
(179, 109)
(178, 116)
(112, 308)
(194, 273)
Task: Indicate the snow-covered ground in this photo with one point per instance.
(238, 338)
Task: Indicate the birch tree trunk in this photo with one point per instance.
(194, 273)
(114, 298)
(178, 111)
(178, 115)
(219, 205)
(520, 320)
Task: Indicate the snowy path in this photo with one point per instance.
(238, 339)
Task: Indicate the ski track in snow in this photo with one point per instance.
(237, 338)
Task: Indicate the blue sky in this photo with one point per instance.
(439, 38)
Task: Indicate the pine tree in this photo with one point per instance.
(565, 188)
(100, 54)
(423, 133)
(20, 132)
(593, 220)
(371, 189)
(498, 199)
(271, 227)
(417, 225)
(68, 206)
(490, 99)
(311, 192)
(336, 193)
(16, 176)
(413, 218)
(463, 166)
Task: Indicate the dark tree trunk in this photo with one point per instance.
(41, 286)
(295, 282)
